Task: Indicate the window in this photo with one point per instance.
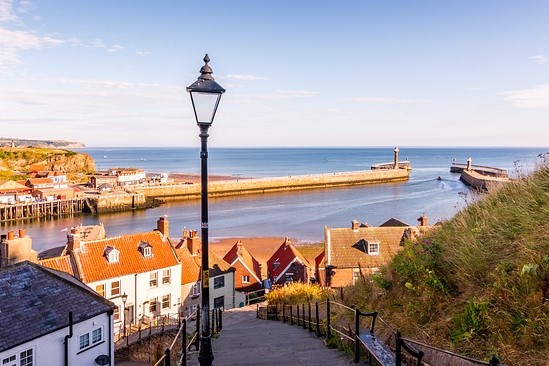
(116, 313)
(85, 341)
(166, 276)
(96, 335)
(26, 358)
(100, 289)
(288, 277)
(245, 279)
(166, 301)
(356, 275)
(145, 249)
(9, 361)
(115, 288)
(112, 255)
(152, 305)
(192, 309)
(373, 248)
(219, 302)
(195, 292)
(153, 279)
(147, 252)
(219, 282)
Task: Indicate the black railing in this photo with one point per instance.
(369, 335)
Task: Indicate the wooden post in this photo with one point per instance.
(310, 321)
(297, 308)
(317, 320)
(303, 309)
(184, 343)
(328, 325)
(291, 315)
(357, 331)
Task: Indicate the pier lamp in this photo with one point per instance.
(205, 95)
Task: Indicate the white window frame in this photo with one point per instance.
(245, 279)
(166, 300)
(84, 341)
(371, 246)
(153, 306)
(195, 291)
(147, 252)
(166, 276)
(11, 360)
(153, 279)
(27, 360)
(102, 287)
(116, 313)
(95, 332)
(115, 290)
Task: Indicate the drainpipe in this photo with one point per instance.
(67, 340)
(135, 299)
(111, 356)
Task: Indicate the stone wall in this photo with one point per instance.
(118, 202)
(276, 184)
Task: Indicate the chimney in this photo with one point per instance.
(163, 225)
(21, 233)
(11, 235)
(193, 242)
(422, 220)
(354, 225)
(239, 250)
(73, 240)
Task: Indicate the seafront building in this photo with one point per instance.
(247, 268)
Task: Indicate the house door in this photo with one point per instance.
(129, 314)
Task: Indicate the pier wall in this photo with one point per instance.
(480, 181)
(118, 202)
(275, 184)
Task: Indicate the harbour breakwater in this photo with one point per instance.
(274, 184)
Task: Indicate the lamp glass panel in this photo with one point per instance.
(205, 105)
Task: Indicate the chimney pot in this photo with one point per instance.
(21, 233)
(11, 235)
(355, 224)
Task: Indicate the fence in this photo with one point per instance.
(367, 334)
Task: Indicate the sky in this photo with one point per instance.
(355, 73)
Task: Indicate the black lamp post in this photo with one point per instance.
(205, 95)
(124, 298)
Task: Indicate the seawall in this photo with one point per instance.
(275, 184)
(480, 181)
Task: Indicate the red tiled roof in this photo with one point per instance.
(40, 180)
(284, 255)
(62, 263)
(190, 271)
(239, 253)
(94, 266)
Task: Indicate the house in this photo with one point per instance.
(15, 249)
(11, 191)
(128, 176)
(39, 183)
(247, 268)
(52, 319)
(103, 182)
(221, 277)
(351, 253)
(287, 264)
(140, 273)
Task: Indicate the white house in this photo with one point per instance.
(128, 176)
(55, 320)
(140, 273)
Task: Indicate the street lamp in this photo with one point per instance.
(124, 299)
(205, 95)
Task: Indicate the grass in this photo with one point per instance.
(296, 293)
(479, 283)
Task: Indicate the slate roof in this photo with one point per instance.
(35, 301)
(345, 246)
(94, 266)
(284, 255)
(392, 222)
(238, 252)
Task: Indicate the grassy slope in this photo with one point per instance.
(479, 283)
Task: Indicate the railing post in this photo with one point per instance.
(276, 312)
(303, 309)
(398, 351)
(291, 315)
(317, 320)
(184, 343)
(283, 313)
(328, 321)
(297, 308)
(310, 321)
(257, 311)
(221, 320)
(197, 340)
(357, 332)
(494, 361)
(139, 331)
(167, 358)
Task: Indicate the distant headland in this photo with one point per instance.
(52, 144)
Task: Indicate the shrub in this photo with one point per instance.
(296, 293)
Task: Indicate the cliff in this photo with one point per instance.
(52, 144)
(17, 161)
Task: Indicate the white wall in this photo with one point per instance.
(50, 350)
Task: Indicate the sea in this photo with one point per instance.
(301, 215)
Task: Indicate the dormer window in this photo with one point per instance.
(145, 249)
(112, 254)
(373, 248)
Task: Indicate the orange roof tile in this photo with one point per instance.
(94, 266)
(62, 263)
(190, 271)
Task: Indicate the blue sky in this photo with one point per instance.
(297, 73)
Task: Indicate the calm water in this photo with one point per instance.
(300, 215)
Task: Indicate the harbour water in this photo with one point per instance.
(301, 215)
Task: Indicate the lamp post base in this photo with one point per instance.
(205, 355)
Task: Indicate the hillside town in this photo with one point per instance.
(139, 280)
